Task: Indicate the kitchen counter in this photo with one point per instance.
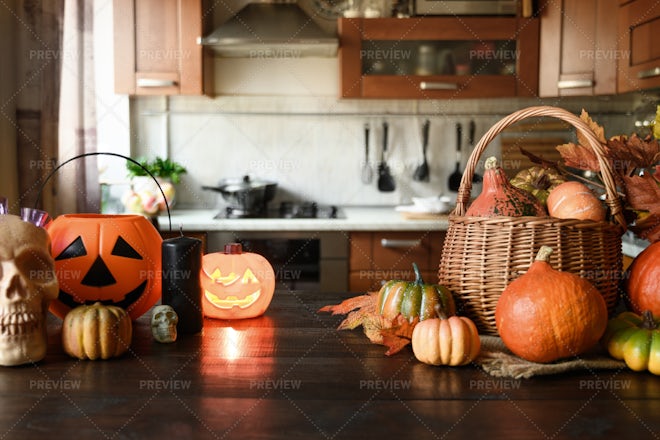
(290, 374)
(356, 219)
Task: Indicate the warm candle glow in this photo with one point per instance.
(231, 348)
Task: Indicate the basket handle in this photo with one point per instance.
(105, 153)
(612, 199)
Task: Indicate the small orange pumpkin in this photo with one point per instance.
(545, 314)
(236, 284)
(96, 332)
(643, 281)
(452, 341)
(112, 259)
(575, 200)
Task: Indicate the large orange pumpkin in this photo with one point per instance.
(642, 284)
(111, 259)
(545, 314)
(236, 284)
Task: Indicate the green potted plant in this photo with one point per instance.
(144, 197)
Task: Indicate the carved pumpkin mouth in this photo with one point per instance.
(232, 300)
(129, 299)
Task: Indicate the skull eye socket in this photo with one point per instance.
(123, 249)
(35, 266)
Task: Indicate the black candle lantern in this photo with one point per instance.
(181, 263)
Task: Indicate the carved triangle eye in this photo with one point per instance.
(249, 277)
(123, 249)
(75, 249)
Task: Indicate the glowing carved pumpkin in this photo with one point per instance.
(236, 284)
(111, 259)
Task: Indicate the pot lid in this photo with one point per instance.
(238, 184)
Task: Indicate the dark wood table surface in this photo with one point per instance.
(290, 374)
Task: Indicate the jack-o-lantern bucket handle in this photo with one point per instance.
(105, 153)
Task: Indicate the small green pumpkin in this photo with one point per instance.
(414, 299)
(634, 339)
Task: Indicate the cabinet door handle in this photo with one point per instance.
(575, 83)
(153, 82)
(437, 85)
(649, 73)
(391, 243)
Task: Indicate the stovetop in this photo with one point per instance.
(286, 210)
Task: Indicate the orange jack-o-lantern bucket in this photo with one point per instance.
(112, 259)
(236, 284)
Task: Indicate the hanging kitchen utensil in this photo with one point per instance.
(476, 178)
(421, 173)
(385, 179)
(367, 171)
(455, 177)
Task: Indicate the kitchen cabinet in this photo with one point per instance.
(155, 47)
(639, 60)
(578, 48)
(438, 57)
(379, 256)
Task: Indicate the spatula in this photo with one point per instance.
(385, 179)
(421, 173)
(455, 177)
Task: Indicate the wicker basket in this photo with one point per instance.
(482, 255)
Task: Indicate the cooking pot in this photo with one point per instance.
(245, 196)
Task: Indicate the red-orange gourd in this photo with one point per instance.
(575, 200)
(499, 198)
(546, 315)
(642, 284)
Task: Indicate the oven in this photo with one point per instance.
(309, 260)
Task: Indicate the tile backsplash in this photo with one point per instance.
(313, 147)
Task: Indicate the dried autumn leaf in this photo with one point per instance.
(598, 130)
(626, 154)
(643, 195)
(399, 335)
(361, 311)
(648, 227)
(349, 304)
(576, 156)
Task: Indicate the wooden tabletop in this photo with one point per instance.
(290, 374)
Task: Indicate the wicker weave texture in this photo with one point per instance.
(482, 255)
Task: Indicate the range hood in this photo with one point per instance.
(278, 30)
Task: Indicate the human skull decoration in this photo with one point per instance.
(163, 323)
(27, 286)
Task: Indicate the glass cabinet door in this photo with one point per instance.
(439, 57)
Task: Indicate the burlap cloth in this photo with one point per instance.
(498, 361)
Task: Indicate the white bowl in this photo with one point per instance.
(437, 204)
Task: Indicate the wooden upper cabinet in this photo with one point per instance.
(438, 57)
(639, 64)
(578, 48)
(156, 49)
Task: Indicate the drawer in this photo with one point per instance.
(398, 250)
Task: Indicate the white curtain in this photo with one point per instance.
(78, 188)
